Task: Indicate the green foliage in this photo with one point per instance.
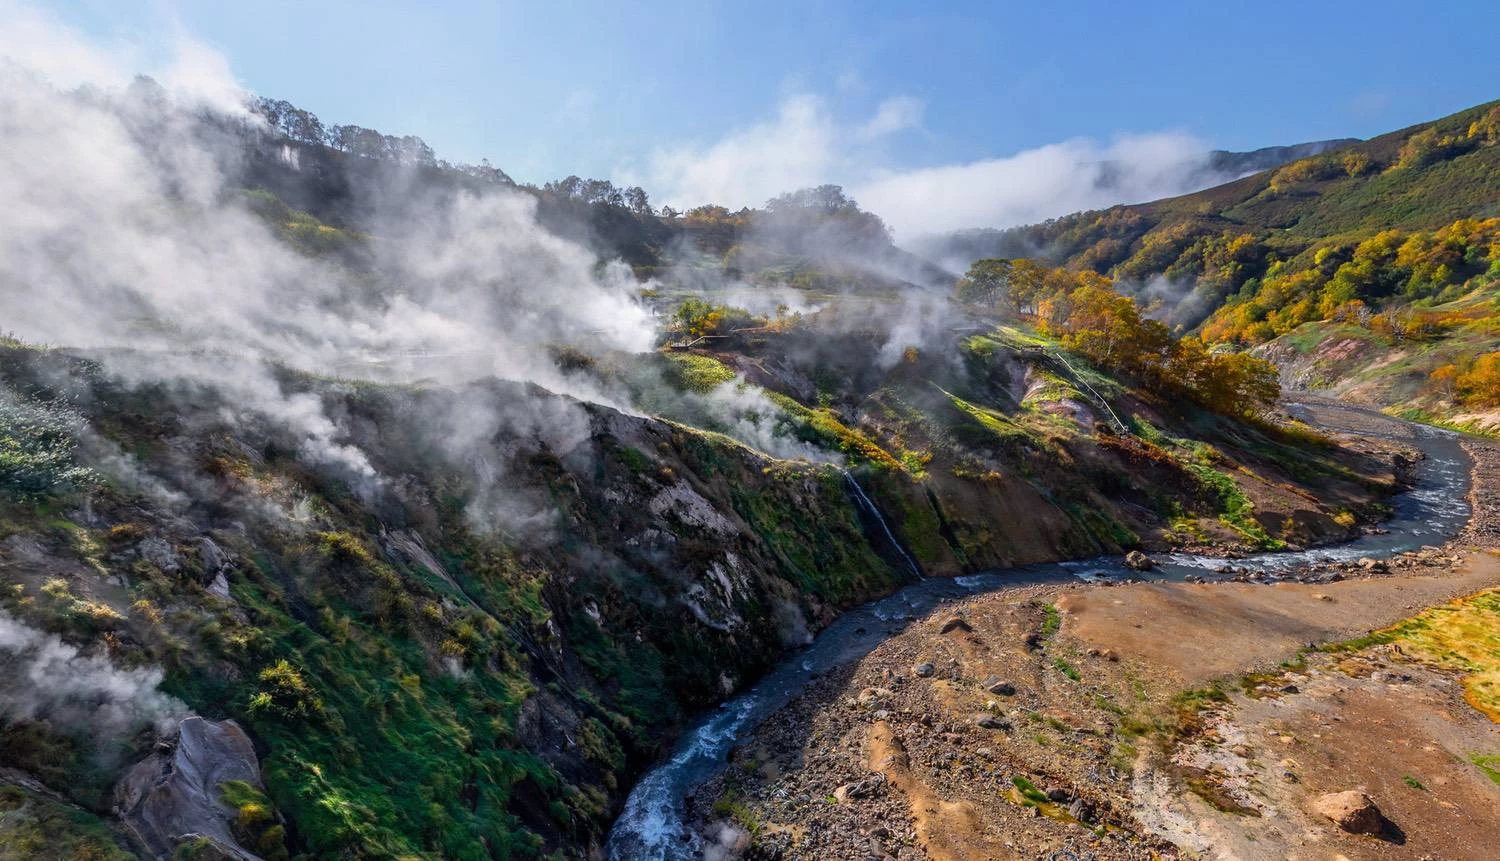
(62, 759)
(986, 282)
(729, 807)
(1085, 314)
(1490, 765)
(35, 828)
(1363, 234)
(37, 444)
(695, 373)
(1051, 621)
(698, 318)
(1029, 790)
(254, 822)
(284, 693)
(822, 425)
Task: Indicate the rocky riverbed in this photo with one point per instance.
(1139, 720)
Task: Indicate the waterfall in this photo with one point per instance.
(869, 506)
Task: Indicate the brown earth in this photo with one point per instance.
(1193, 633)
(1100, 752)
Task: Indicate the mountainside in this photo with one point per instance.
(365, 506)
(1372, 267)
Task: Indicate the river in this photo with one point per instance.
(653, 827)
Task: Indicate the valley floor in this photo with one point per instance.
(1153, 720)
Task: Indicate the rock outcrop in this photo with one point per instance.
(174, 796)
(1353, 811)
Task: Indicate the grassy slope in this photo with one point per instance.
(1354, 362)
(1186, 240)
(1425, 197)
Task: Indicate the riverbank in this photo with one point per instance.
(1175, 719)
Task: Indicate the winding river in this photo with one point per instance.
(653, 826)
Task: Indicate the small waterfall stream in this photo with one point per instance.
(868, 505)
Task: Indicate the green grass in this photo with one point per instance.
(1235, 508)
(729, 807)
(1490, 765)
(1051, 621)
(695, 373)
(35, 828)
(1029, 791)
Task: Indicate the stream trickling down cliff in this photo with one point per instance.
(653, 824)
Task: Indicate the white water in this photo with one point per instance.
(869, 506)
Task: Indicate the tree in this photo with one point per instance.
(986, 282)
(636, 199)
(602, 192)
(340, 138)
(302, 126)
(568, 188)
(411, 149)
(828, 199)
(1480, 384)
(1029, 282)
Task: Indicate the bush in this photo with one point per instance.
(37, 443)
(285, 693)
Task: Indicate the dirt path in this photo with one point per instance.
(1048, 719)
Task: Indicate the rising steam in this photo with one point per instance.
(43, 678)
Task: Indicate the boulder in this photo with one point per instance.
(923, 670)
(1135, 560)
(858, 789)
(161, 554)
(992, 722)
(999, 687)
(1081, 810)
(1352, 811)
(174, 795)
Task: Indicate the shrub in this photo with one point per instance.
(37, 443)
(285, 693)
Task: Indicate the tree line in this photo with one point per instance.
(1083, 311)
(304, 127)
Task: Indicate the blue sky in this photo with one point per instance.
(621, 89)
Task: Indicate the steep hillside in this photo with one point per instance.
(1383, 252)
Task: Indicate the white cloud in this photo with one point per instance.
(1034, 184)
(797, 148)
(894, 115)
(803, 145)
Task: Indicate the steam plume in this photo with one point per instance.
(43, 678)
